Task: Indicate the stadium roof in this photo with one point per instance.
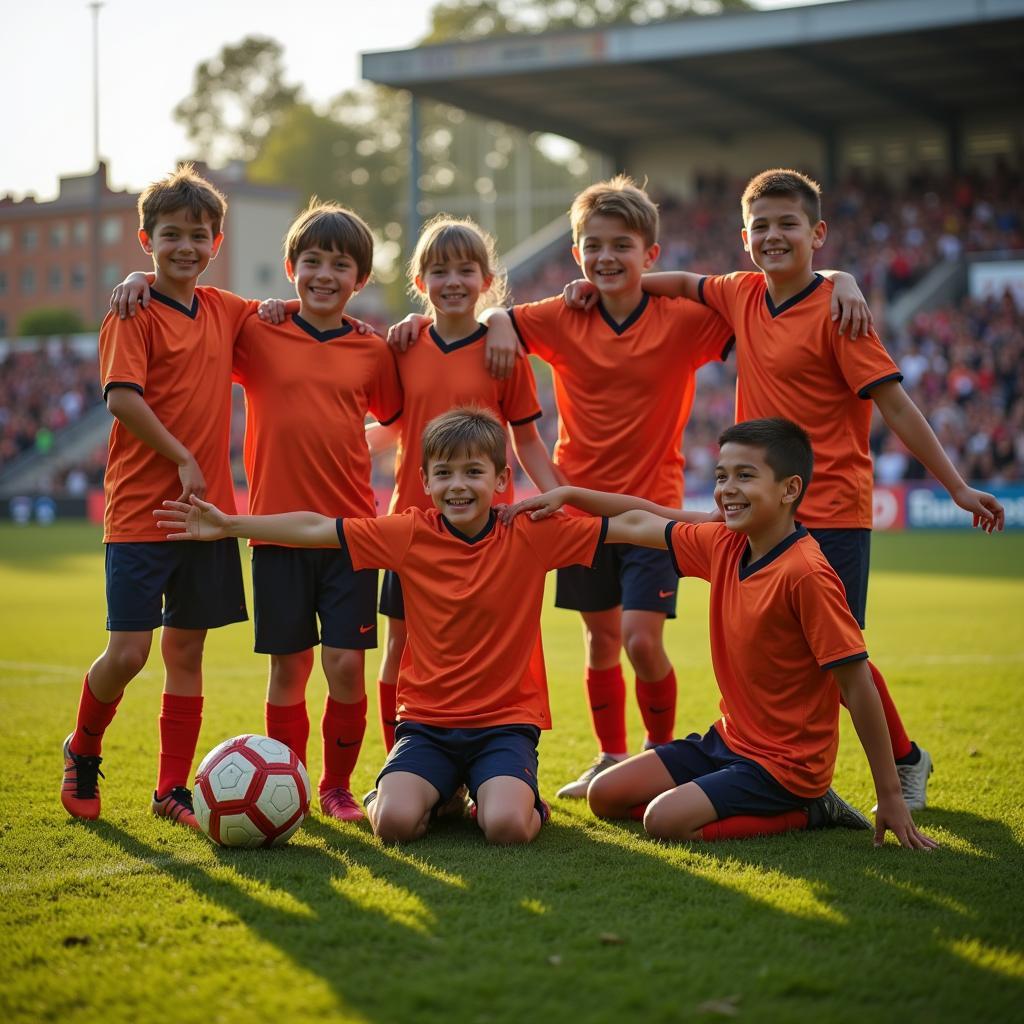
(815, 69)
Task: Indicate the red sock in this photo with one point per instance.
(901, 745)
(93, 718)
(387, 699)
(343, 726)
(743, 826)
(180, 721)
(637, 812)
(606, 691)
(657, 702)
(289, 724)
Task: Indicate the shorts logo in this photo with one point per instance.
(366, 629)
(665, 593)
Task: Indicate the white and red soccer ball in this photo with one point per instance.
(251, 791)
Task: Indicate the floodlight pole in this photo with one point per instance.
(94, 6)
(98, 180)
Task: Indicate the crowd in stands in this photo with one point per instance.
(963, 365)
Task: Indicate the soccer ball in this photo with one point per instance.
(251, 791)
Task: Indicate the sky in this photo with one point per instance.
(147, 55)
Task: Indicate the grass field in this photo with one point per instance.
(129, 919)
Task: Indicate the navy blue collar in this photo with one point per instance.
(446, 346)
(457, 533)
(799, 297)
(336, 332)
(629, 321)
(747, 570)
(190, 312)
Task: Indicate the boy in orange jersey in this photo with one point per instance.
(166, 376)
(784, 646)
(474, 698)
(310, 379)
(792, 362)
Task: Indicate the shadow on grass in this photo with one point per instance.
(595, 922)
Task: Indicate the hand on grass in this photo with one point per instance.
(192, 520)
(404, 334)
(131, 292)
(988, 513)
(580, 294)
(894, 815)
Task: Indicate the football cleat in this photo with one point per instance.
(577, 789)
(832, 811)
(80, 791)
(340, 804)
(914, 781)
(176, 806)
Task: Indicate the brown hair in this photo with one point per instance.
(787, 184)
(331, 227)
(786, 446)
(447, 238)
(469, 429)
(184, 189)
(618, 197)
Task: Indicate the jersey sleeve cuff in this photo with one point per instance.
(339, 525)
(700, 290)
(600, 539)
(728, 347)
(865, 392)
(388, 422)
(844, 661)
(515, 326)
(671, 552)
(121, 384)
(527, 419)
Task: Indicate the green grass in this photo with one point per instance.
(129, 919)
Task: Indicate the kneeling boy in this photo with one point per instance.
(472, 691)
(784, 647)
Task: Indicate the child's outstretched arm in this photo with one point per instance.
(861, 697)
(908, 423)
(199, 520)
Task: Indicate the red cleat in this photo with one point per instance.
(176, 806)
(340, 804)
(80, 791)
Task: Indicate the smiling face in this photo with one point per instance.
(612, 257)
(780, 237)
(748, 494)
(453, 286)
(324, 280)
(181, 247)
(462, 487)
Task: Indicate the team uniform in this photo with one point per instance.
(778, 625)
(179, 359)
(437, 376)
(472, 694)
(624, 393)
(792, 362)
(307, 396)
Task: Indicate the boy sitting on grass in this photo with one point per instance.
(472, 694)
(784, 646)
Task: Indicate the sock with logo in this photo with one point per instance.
(343, 726)
(657, 702)
(289, 724)
(744, 826)
(606, 691)
(93, 718)
(387, 700)
(180, 721)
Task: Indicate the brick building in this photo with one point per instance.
(70, 251)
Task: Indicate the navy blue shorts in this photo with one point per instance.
(449, 758)
(849, 553)
(733, 784)
(392, 601)
(293, 587)
(182, 584)
(639, 579)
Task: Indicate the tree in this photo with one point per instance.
(50, 320)
(237, 98)
(473, 19)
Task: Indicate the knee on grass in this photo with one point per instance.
(510, 827)
(395, 824)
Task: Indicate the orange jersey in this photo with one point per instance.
(179, 360)
(792, 362)
(472, 610)
(777, 626)
(307, 393)
(437, 376)
(624, 391)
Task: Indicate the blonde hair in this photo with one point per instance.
(469, 429)
(331, 227)
(618, 197)
(182, 190)
(448, 238)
